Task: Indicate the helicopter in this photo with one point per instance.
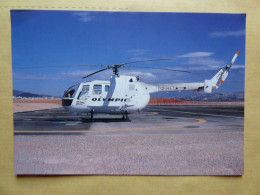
(125, 94)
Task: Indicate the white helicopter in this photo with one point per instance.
(126, 94)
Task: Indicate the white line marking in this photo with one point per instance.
(197, 113)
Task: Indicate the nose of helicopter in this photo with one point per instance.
(67, 105)
(66, 102)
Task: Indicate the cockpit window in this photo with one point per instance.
(84, 92)
(85, 88)
(97, 89)
(71, 91)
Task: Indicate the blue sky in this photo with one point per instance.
(200, 43)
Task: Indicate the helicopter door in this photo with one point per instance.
(84, 94)
(96, 95)
(97, 90)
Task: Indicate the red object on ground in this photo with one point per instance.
(166, 101)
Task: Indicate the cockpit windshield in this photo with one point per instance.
(71, 91)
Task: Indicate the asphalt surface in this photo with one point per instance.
(161, 140)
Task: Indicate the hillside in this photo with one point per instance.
(22, 94)
(214, 97)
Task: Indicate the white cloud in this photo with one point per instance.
(201, 61)
(84, 16)
(158, 76)
(144, 75)
(76, 73)
(137, 52)
(138, 55)
(38, 76)
(238, 67)
(205, 62)
(68, 75)
(196, 54)
(105, 75)
(138, 59)
(237, 33)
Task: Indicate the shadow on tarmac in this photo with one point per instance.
(104, 120)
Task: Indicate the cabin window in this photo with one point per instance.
(84, 92)
(85, 88)
(97, 89)
(106, 88)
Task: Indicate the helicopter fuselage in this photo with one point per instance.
(122, 94)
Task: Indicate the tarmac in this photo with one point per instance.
(160, 140)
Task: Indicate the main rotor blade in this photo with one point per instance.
(144, 61)
(59, 66)
(169, 69)
(95, 73)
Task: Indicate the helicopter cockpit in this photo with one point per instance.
(69, 94)
(71, 91)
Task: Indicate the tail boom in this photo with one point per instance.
(207, 86)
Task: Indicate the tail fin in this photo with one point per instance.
(221, 76)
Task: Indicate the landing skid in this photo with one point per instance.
(124, 116)
(91, 115)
